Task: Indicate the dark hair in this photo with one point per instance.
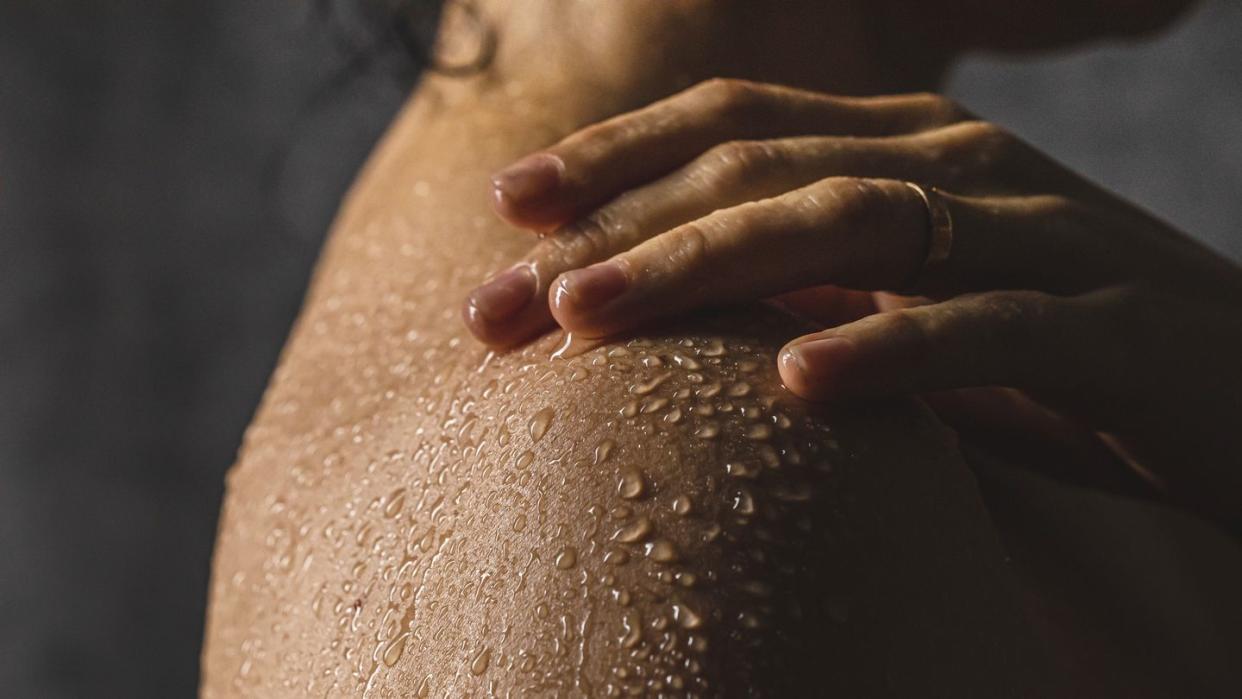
(399, 36)
(382, 48)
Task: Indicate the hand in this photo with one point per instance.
(733, 191)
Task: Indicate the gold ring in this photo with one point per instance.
(939, 230)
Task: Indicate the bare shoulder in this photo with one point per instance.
(653, 517)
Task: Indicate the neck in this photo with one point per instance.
(584, 61)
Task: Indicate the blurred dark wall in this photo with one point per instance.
(1159, 122)
(167, 172)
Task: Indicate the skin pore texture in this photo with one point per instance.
(415, 515)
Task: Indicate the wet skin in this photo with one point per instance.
(415, 515)
(410, 508)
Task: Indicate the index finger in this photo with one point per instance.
(552, 187)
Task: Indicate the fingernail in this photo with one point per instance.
(817, 359)
(504, 295)
(590, 288)
(528, 181)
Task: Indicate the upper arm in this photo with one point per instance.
(652, 516)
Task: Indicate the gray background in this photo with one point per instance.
(167, 171)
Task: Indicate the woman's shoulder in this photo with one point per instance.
(655, 512)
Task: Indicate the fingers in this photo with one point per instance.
(862, 234)
(595, 164)
(503, 312)
(855, 233)
(1022, 339)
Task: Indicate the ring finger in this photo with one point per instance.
(856, 233)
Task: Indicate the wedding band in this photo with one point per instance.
(939, 229)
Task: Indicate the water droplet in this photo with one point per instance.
(634, 532)
(748, 620)
(539, 424)
(616, 557)
(712, 532)
(604, 450)
(662, 551)
(747, 366)
(683, 505)
(524, 460)
(686, 617)
(759, 432)
(631, 485)
(739, 389)
(742, 469)
(711, 390)
(481, 660)
(682, 394)
(652, 405)
(643, 389)
(651, 361)
(394, 651)
(572, 346)
(633, 625)
(714, 348)
(396, 500)
(686, 363)
(673, 416)
(630, 409)
(707, 430)
(567, 558)
(744, 502)
(519, 523)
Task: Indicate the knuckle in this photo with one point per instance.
(735, 162)
(589, 239)
(1020, 315)
(727, 96)
(938, 108)
(685, 247)
(974, 148)
(745, 220)
(598, 138)
(988, 144)
(1123, 313)
(911, 330)
(854, 201)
